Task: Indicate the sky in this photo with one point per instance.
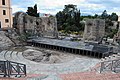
(87, 7)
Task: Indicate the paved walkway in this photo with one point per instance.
(90, 76)
(28, 77)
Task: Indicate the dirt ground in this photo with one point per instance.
(47, 56)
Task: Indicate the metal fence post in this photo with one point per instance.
(5, 68)
(8, 68)
(18, 69)
(101, 68)
(25, 70)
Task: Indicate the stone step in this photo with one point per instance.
(2, 55)
(14, 57)
(29, 64)
(20, 56)
(7, 55)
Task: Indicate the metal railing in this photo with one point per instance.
(111, 65)
(9, 68)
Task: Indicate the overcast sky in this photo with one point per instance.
(53, 6)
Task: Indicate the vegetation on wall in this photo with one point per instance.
(32, 11)
(69, 18)
(112, 33)
(108, 23)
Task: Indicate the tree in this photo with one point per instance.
(32, 11)
(104, 15)
(112, 33)
(60, 19)
(77, 18)
(69, 18)
(35, 11)
(114, 17)
(96, 16)
(108, 23)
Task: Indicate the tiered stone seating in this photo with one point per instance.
(7, 55)
(63, 71)
(17, 57)
(2, 55)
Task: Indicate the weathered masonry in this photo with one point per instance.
(71, 47)
(35, 26)
(94, 29)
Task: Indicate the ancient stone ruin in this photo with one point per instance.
(116, 38)
(94, 29)
(35, 26)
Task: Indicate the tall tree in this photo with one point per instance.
(104, 15)
(32, 11)
(96, 16)
(69, 18)
(114, 17)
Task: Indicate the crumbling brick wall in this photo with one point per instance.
(37, 26)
